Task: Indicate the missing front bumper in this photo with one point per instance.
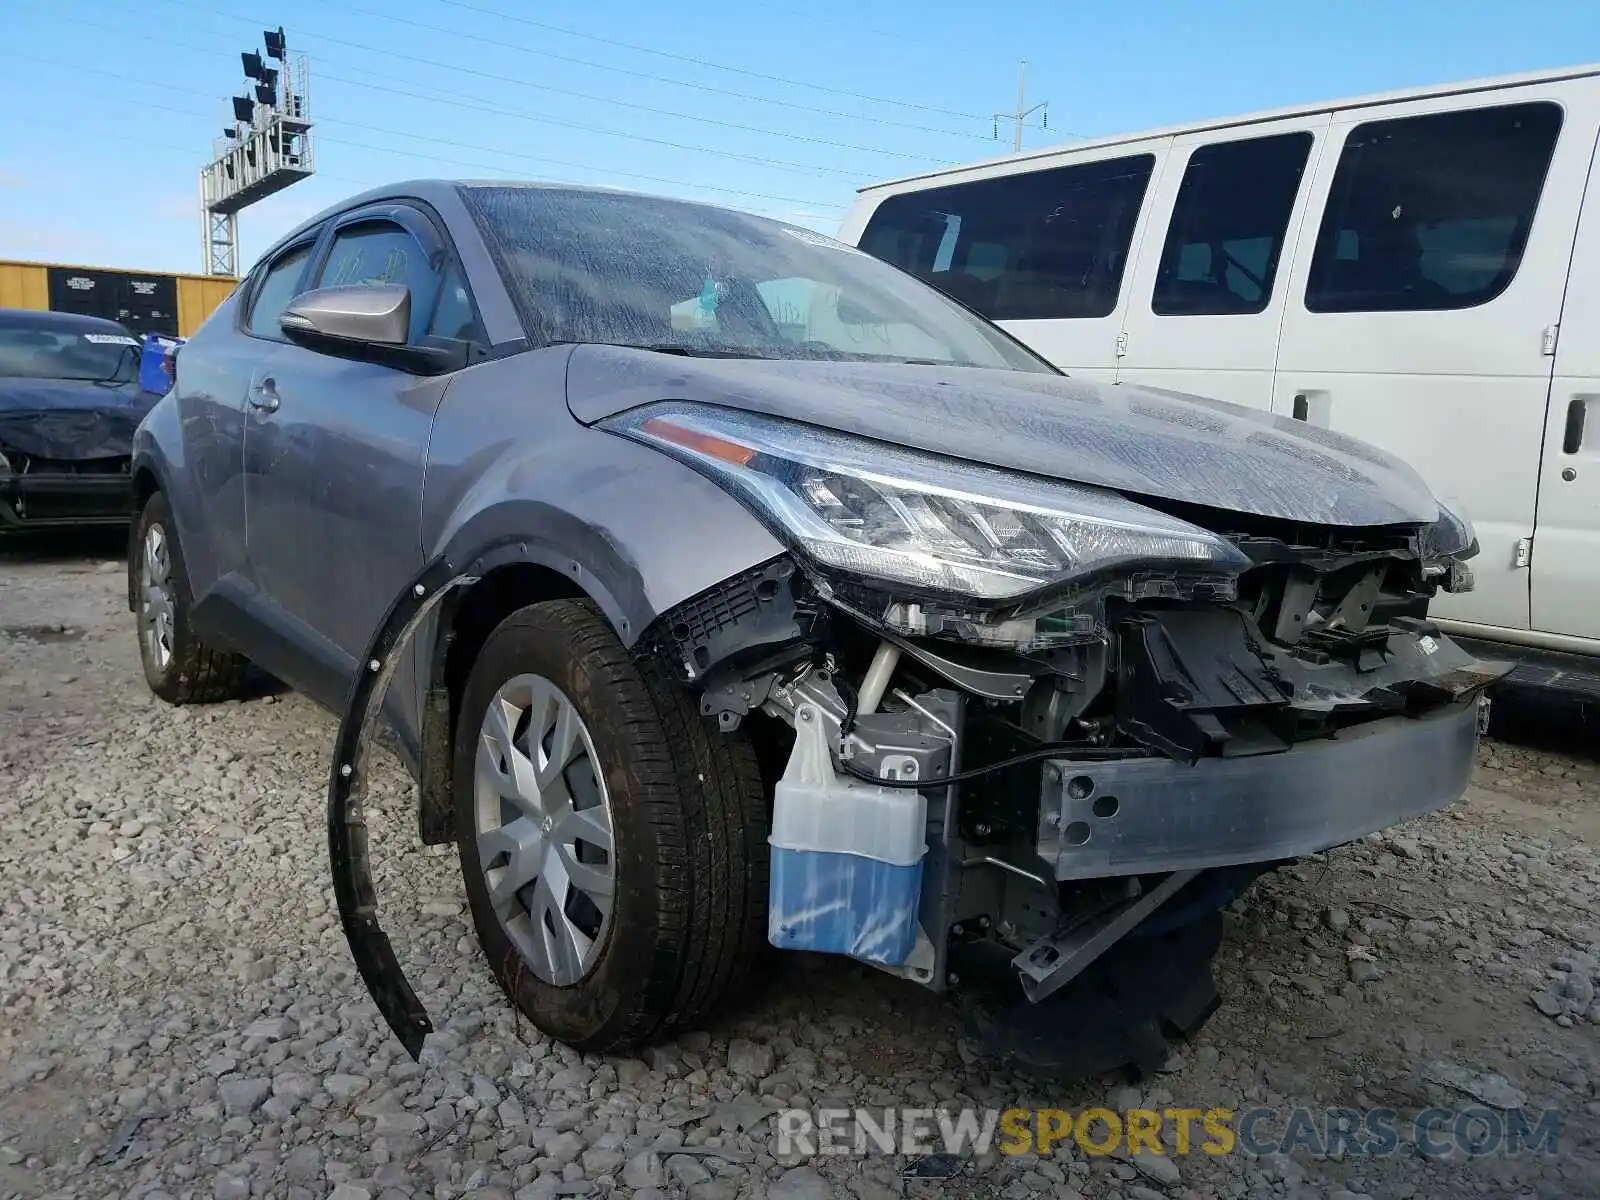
(1153, 815)
(46, 501)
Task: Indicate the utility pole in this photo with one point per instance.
(1022, 113)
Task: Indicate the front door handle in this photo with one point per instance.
(264, 396)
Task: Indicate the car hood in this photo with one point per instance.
(71, 420)
(1136, 440)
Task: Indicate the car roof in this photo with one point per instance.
(37, 318)
(438, 193)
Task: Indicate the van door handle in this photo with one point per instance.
(1302, 406)
(264, 396)
(1577, 411)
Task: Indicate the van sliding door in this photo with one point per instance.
(1566, 536)
(1207, 297)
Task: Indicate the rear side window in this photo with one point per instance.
(1228, 226)
(1046, 244)
(281, 285)
(1430, 213)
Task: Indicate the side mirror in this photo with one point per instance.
(361, 315)
(367, 322)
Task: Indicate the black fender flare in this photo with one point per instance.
(349, 860)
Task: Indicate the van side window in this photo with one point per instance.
(1430, 213)
(1228, 224)
(1044, 244)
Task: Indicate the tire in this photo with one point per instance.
(688, 822)
(178, 666)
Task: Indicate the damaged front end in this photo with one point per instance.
(1019, 721)
(1115, 715)
(65, 468)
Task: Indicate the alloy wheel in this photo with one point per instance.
(157, 611)
(544, 830)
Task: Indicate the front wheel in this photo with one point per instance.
(612, 846)
(179, 667)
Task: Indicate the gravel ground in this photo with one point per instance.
(179, 1015)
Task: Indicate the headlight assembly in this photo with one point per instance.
(1451, 536)
(922, 520)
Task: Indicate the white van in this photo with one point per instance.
(1419, 269)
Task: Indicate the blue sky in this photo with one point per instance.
(109, 107)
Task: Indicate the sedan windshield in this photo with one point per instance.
(692, 279)
(41, 352)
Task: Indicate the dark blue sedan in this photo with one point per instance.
(70, 400)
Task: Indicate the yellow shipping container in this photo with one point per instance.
(146, 301)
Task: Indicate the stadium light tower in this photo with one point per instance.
(267, 148)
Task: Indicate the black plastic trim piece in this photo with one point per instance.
(347, 828)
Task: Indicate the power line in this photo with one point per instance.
(524, 48)
(457, 100)
(706, 62)
(360, 125)
(472, 104)
(99, 132)
(590, 98)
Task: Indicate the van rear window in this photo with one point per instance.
(1432, 212)
(1044, 244)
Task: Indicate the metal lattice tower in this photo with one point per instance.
(267, 148)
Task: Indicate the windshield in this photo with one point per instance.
(42, 352)
(644, 271)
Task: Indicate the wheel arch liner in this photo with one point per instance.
(348, 856)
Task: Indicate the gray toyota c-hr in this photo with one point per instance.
(727, 589)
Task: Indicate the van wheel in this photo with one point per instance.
(613, 848)
(178, 666)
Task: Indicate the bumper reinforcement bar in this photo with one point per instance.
(1154, 815)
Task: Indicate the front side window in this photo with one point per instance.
(666, 274)
(453, 316)
(280, 285)
(1433, 212)
(382, 252)
(37, 350)
(1043, 244)
(1228, 225)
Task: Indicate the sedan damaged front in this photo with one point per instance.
(70, 399)
(1140, 702)
(772, 593)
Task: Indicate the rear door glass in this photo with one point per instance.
(1228, 225)
(1432, 212)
